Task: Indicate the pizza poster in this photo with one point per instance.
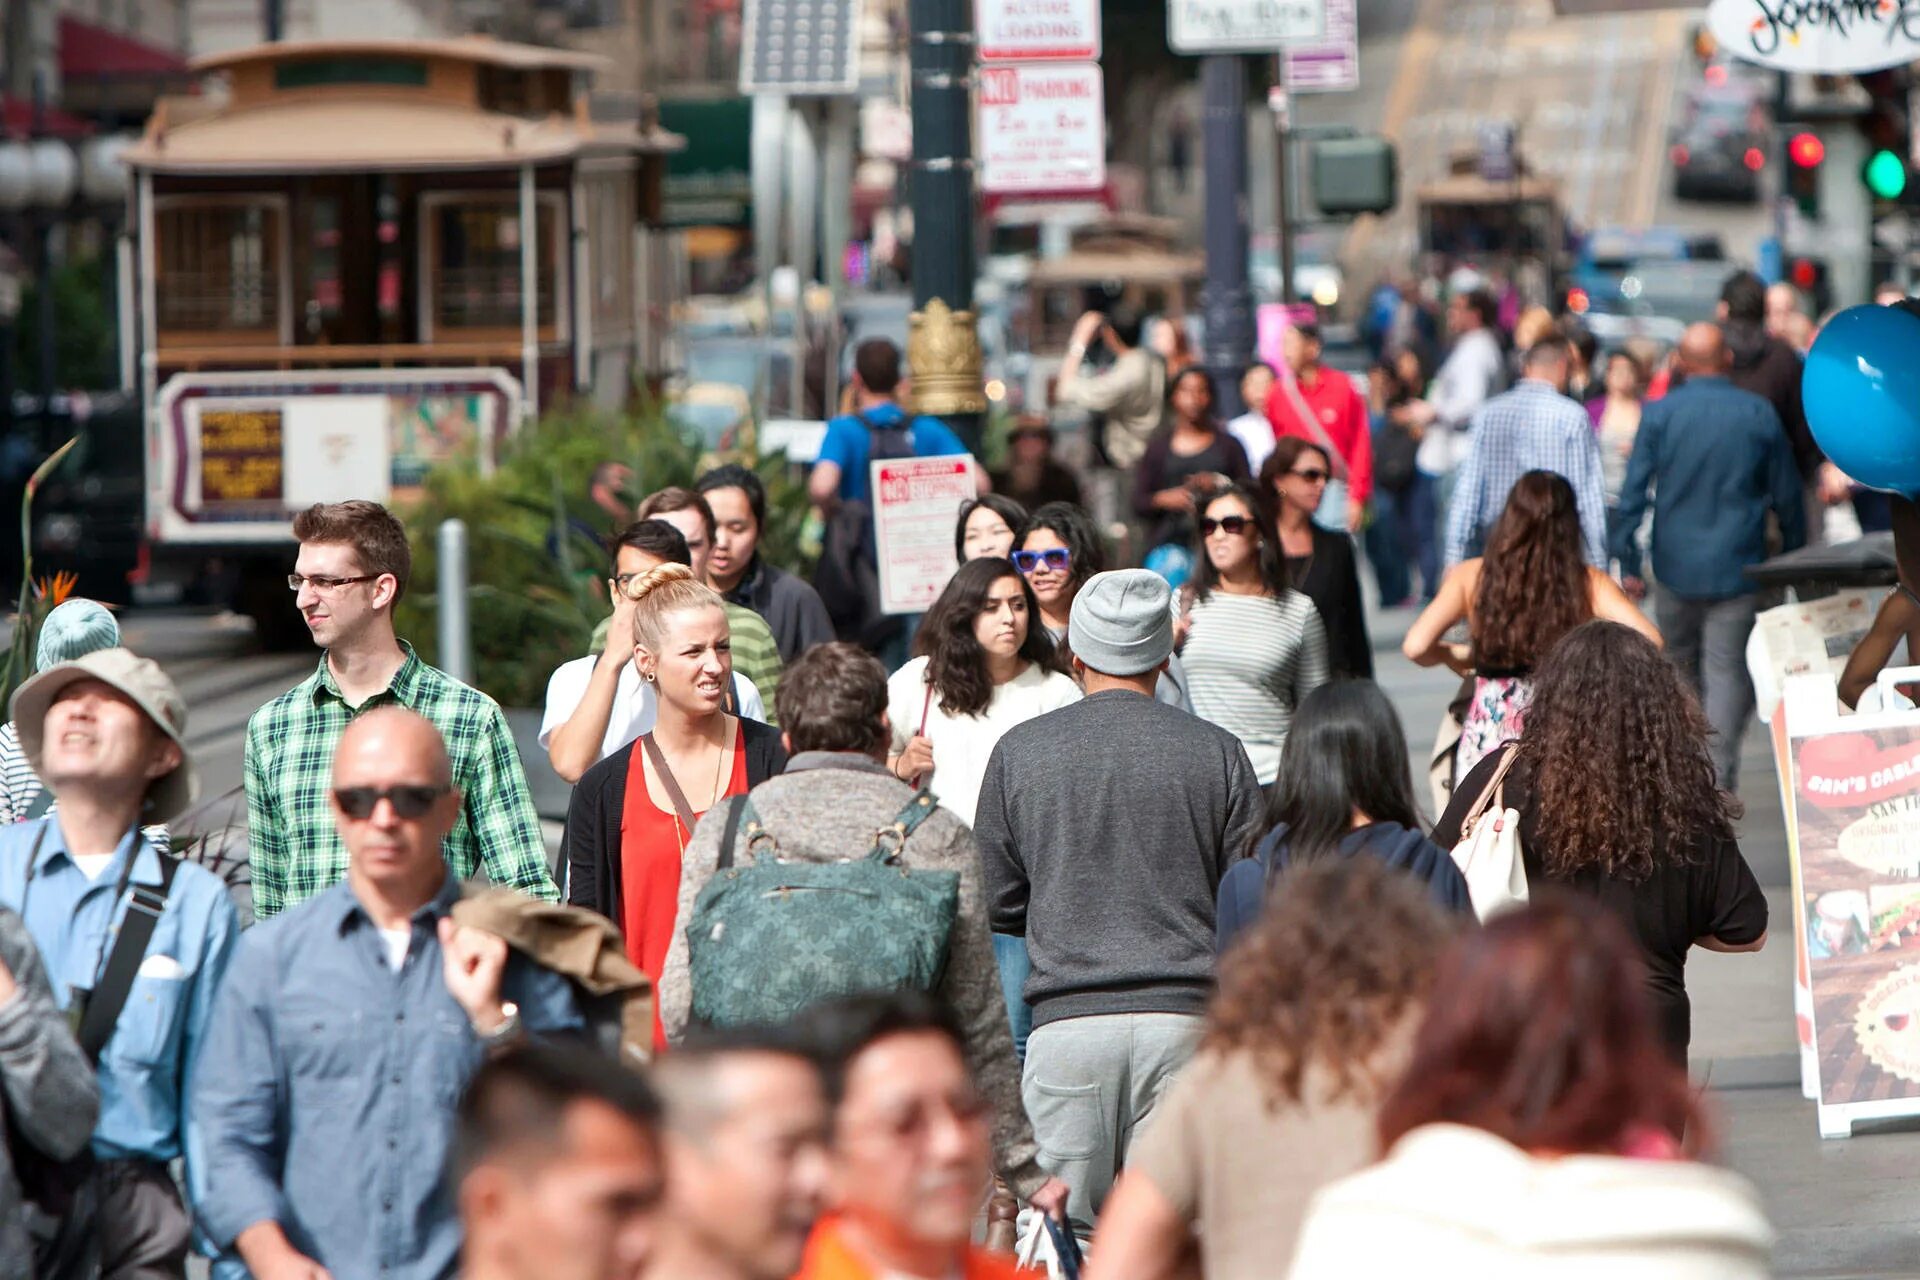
(1856, 815)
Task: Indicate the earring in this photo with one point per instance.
(647, 676)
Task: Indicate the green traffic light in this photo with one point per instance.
(1886, 174)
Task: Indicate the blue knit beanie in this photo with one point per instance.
(74, 629)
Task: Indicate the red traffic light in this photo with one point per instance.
(1806, 150)
(1755, 159)
(1804, 273)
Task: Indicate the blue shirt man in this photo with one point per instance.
(105, 733)
(840, 472)
(346, 1032)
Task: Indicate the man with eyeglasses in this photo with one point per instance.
(323, 1111)
(351, 573)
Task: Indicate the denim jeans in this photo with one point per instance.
(1420, 528)
(1011, 953)
(1388, 549)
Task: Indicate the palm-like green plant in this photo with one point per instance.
(37, 599)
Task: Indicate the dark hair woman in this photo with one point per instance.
(1531, 588)
(1344, 789)
(1186, 459)
(1538, 1128)
(1306, 1033)
(1252, 646)
(1319, 561)
(1618, 799)
(989, 525)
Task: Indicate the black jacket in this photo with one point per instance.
(593, 816)
(1769, 368)
(1332, 581)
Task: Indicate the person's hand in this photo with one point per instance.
(916, 760)
(268, 1255)
(619, 650)
(473, 963)
(291, 1265)
(7, 985)
(1356, 515)
(1636, 588)
(1459, 659)
(1050, 1198)
(1086, 329)
(1833, 485)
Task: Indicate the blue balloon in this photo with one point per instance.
(1861, 389)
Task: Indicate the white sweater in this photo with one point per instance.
(1455, 1201)
(962, 744)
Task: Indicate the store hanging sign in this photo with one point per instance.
(1823, 36)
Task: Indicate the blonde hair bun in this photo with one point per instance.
(655, 578)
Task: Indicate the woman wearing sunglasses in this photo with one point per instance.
(1253, 646)
(634, 812)
(1320, 562)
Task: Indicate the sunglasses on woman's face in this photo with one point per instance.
(409, 802)
(1312, 475)
(1054, 558)
(1235, 525)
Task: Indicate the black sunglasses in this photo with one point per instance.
(1235, 525)
(1312, 475)
(1055, 558)
(408, 801)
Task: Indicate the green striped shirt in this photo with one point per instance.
(295, 846)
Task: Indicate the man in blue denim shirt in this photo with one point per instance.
(340, 1045)
(104, 732)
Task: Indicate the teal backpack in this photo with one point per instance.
(772, 937)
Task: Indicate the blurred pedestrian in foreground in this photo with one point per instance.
(1320, 562)
(71, 629)
(747, 1174)
(135, 941)
(557, 1169)
(1538, 1129)
(1614, 785)
(1719, 464)
(321, 1144)
(1344, 790)
(910, 1145)
(1308, 1029)
(1104, 828)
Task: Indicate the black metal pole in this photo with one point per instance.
(274, 19)
(943, 349)
(1228, 301)
(43, 263)
(1282, 180)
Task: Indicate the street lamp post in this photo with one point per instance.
(943, 344)
(1228, 301)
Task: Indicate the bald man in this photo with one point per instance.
(1718, 463)
(321, 1120)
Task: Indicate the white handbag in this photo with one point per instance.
(1488, 854)
(1036, 1251)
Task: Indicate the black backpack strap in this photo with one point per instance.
(736, 806)
(890, 839)
(144, 907)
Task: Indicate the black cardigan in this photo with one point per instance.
(593, 816)
(1332, 582)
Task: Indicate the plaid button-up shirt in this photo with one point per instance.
(296, 849)
(1530, 428)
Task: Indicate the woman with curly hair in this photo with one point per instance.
(1532, 587)
(1618, 800)
(1308, 1029)
(1538, 1129)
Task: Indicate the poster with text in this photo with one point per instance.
(915, 504)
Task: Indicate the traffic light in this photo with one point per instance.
(1809, 276)
(1885, 174)
(1805, 152)
(1355, 175)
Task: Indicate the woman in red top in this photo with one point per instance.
(633, 813)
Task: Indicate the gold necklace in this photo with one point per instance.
(719, 767)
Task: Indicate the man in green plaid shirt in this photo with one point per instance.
(352, 569)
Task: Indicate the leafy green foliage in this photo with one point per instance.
(537, 573)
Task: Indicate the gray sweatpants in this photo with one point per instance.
(1707, 640)
(1089, 1084)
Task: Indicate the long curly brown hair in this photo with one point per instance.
(1337, 965)
(1616, 744)
(1533, 579)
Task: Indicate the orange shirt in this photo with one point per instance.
(829, 1258)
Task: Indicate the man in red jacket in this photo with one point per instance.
(1324, 406)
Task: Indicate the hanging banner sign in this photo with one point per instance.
(1823, 36)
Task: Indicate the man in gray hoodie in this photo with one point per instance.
(1104, 829)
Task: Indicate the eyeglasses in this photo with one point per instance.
(295, 581)
(1054, 558)
(1235, 525)
(622, 581)
(1313, 475)
(408, 801)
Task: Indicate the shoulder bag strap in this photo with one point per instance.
(1320, 436)
(38, 809)
(668, 781)
(1494, 791)
(736, 805)
(926, 708)
(144, 908)
(890, 839)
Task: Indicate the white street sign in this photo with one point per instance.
(1231, 26)
(1042, 128)
(1037, 30)
(1827, 36)
(1330, 64)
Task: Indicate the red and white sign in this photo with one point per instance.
(915, 502)
(1037, 30)
(1042, 128)
(1330, 64)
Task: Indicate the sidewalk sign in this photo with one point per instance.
(1805, 637)
(1853, 825)
(915, 504)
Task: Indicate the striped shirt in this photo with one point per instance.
(1530, 428)
(295, 848)
(1249, 660)
(19, 784)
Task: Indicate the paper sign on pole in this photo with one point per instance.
(1241, 26)
(1043, 127)
(915, 502)
(1330, 64)
(1037, 30)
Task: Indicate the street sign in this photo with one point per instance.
(1242, 26)
(1825, 38)
(1043, 127)
(1037, 30)
(1330, 64)
(800, 47)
